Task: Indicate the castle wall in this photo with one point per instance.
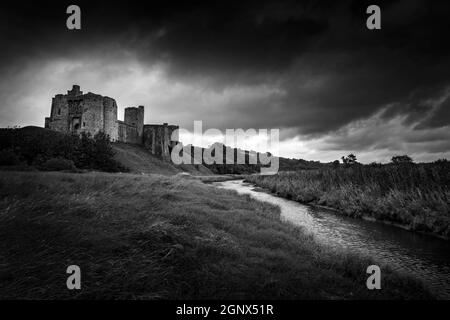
(85, 113)
(135, 117)
(59, 114)
(127, 133)
(158, 139)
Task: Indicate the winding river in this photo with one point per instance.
(421, 256)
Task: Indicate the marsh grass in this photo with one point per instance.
(413, 196)
(155, 237)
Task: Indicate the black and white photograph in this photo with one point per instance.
(218, 151)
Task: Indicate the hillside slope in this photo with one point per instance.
(33, 145)
(139, 160)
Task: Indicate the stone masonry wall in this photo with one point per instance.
(91, 113)
(135, 117)
(127, 133)
(59, 114)
(158, 139)
(110, 125)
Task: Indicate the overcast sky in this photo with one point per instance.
(309, 68)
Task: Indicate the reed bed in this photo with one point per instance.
(413, 196)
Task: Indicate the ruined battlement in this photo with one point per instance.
(76, 112)
(75, 91)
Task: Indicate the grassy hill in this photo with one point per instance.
(156, 237)
(140, 160)
(33, 147)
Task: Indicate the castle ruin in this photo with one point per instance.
(76, 112)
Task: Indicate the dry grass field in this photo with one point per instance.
(157, 237)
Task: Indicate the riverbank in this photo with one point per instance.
(220, 178)
(410, 197)
(423, 257)
(155, 237)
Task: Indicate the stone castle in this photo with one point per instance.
(76, 112)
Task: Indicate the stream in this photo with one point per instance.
(421, 256)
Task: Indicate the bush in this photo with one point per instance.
(402, 159)
(35, 146)
(9, 158)
(58, 164)
(96, 153)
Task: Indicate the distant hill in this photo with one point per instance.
(230, 165)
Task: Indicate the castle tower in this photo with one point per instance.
(110, 126)
(76, 112)
(135, 117)
(59, 114)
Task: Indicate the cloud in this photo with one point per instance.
(439, 117)
(309, 68)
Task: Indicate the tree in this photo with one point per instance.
(405, 159)
(349, 160)
(441, 161)
(336, 164)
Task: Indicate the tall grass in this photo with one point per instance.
(414, 196)
(154, 237)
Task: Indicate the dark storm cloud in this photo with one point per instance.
(197, 37)
(319, 66)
